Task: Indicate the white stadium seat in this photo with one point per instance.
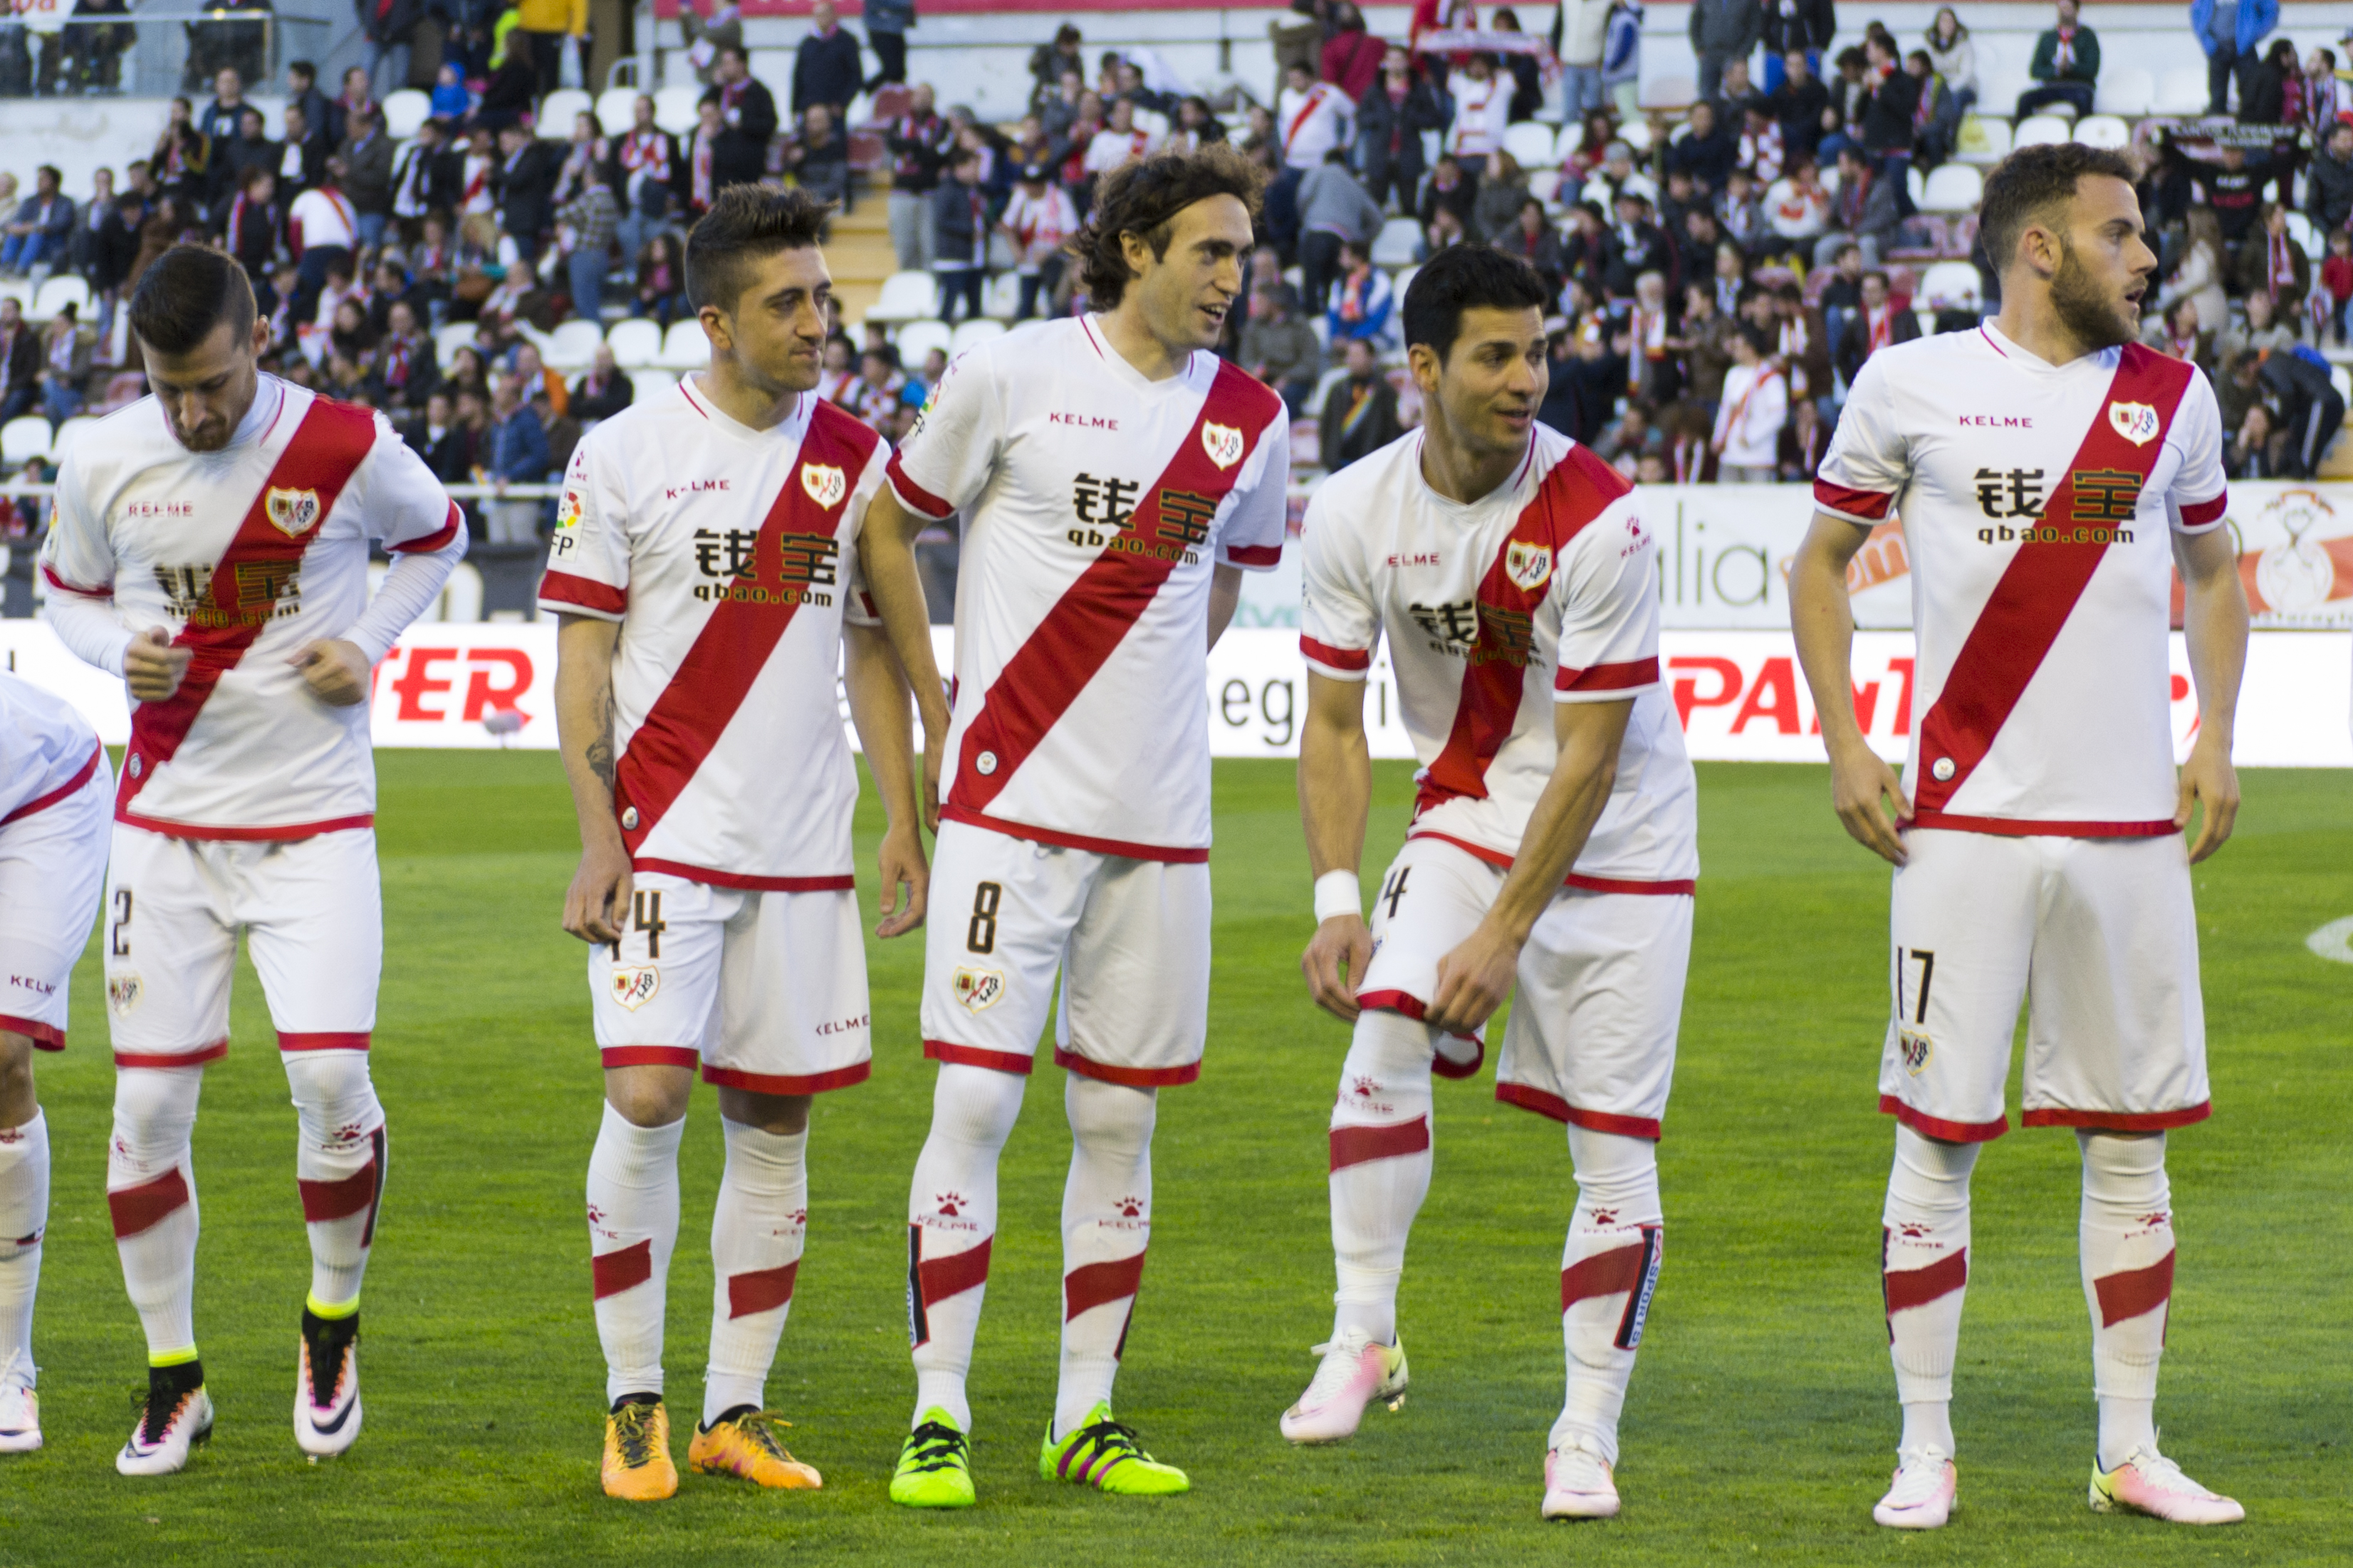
(1395, 244)
(917, 339)
(684, 346)
(645, 386)
(1002, 296)
(22, 440)
(1530, 144)
(1668, 92)
(1950, 283)
(1544, 186)
(2181, 91)
(557, 109)
(1915, 184)
(1400, 283)
(56, 293)
(2103, 131)
(1984, 141)
(1952, 188)
(2301, 230)
(573, 345)
(2039, 129)
(977, 330)
(404, 111)
(617, 109)
(2125, 90)
(636, 343)
(906, 296)
(448, 338)
(1635, 133)
(674, 108)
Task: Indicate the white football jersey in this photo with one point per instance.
(1096, 504)
(244, 554)
(2038, 504)
(729, 556)
(1543, 591)
(47, 750)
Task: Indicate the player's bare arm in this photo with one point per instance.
(886, 545)
(152, 666)
(1823, 621)
(1335, 793)
(1473, 979)
(2214, 622)
(336, 671)
(878, 706)
(593, 905)
(1225, 598)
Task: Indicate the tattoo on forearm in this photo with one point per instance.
(600, 749)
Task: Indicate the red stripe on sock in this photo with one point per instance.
(2134, 1291)
(1355, 1145)
(761, 1290)
(623, 1268)
(1611, 1273)
(958, 1272)
(338, 1199)
(1094, 1285)
(1908, 1287)
(140, 1208)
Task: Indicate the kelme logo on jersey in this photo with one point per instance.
(1529, 566)
(1223, 443)
(2135, 422)
(977, 989)
(824, 482)
(291, 512)
(635, 985)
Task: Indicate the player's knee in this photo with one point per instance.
(154, 1109)
(1615, 1172)
(648, 1096)
(1107, 1117)
(17, 1101)
(1387, 1064)
(2125, 1170)
(333, 1094)
(976, 1105)
(780, 1115)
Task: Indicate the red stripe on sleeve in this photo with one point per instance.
(1254, 555)
(2197, 514)
(1096, 1285)
(433, 543)
(63, 586)
(1337, 657)
(1907, 1287)
(2134, 1291)
(1607, 677)
(567, 589)
(1853, 503)
(43, 802)
(912, 496)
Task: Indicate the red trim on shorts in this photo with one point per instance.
(1093, 1285)
(242, 835)
(975, 1057)
(570, 588)
(141, 1208)
(2118, 1120)
(1846, 503)
(1611, 1273)
(786, 1083)
(621, 1268)
(1134, 1078)
(43, 802)
(1903, 1288)
(1262, 556)
(1337, 657)
(1559, 1109)
(195, 1059)
(2130, 1292)
(357, 1041)
(45, 1037)
(761, 1290)
(846, 882)
(2029, 828)
(1574, 879)
(650, 1056)
(1119, 846)
(1936, 1127)
(1412, 1006)
(1356, 1145)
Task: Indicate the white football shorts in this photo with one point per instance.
(767, 990)
(1598, 999)
(2098, 931)
(52, 869)
(314, 918)
(1130, 939)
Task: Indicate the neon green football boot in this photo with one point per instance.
(1104, 1454)
(935, 1464)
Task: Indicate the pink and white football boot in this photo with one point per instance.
(1579, 1483)
(2147, 1482)
(1357, 1369)
(1925, 1491)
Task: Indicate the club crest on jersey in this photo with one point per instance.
(1529, 566)
(824, 482)
(2135, 422)
(977, 989)
(634, 986)
(291, 513)
(1223, 443)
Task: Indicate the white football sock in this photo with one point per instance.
(1924, 1275)
(338, 1164)
(632, 1229)
(1608, 1269)
(2128, 1262)
(951, 1220)
(755, 1251)
(24, 1216)
(1380, 1167)
(150, 1193)
(1106, 1225)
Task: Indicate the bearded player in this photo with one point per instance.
(210, 546)
(2050, 474)
(706, 582)
(1116, 478)
(1553, 845)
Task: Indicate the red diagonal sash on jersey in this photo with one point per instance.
(328, 448)
(1047, 673)
(2040, 588)
(732, 647)
(1494, 675)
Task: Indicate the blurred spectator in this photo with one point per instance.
(2311, 409)
(254, 230)
(602, 390)
(303, 157)
(449, 100)
(321, 230)
(2264, 331)
(403, 362)
(2175, 332)
(526, 186)
(1279, 348)
(20, 360)
(2254, 451)
(1621, 56)
(1632, 246)
(1501, 189)
(874, 398)
(826, 66)
(1706, 344)
(888, 23)
(1876, 323)
(1802, 342)
(367, 172)
(1049, 62)
(1804, 442)
(1039, 220)
(1733, 96)
(390, 29)
(42, 229)
(1799, 27)
(2270, 262)
(661, 280)
(1887, 114)
(917, 141)
(1707, 153)
(588, 223)
(1520, 71)
(1361, 303)
(547, 27)
(1483, 105)
(1352, 57)
(178, 161)
(817, 158)
(1390, 118)
(1954, 57)
(517, 455)
(425, 176)
(1584, 28)
(1533, 238)
(2324, 95)
(1797, 214)
(1724, 30)
(748, 112)
(1747, 437)
(2336, 282)
(960, 236)
(218, 121)
(2229, 30)
(1451, 188)
(2200, 274)
(64, 365)
(1862, 213)
(2067, 63)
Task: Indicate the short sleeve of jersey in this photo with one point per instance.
(1609, 601)
(1867, 466)
(2199, 496)
(953, 447)
(589, 559)
(1252, 536)
(76, 557)
(858, 607)
(1338, 626)
(405, 505)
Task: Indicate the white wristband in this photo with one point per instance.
(1339, 893)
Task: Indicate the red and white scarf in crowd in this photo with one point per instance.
(1791, 350)
(2279, 266)
(477, 198)
(700, 189)
(1880, 326)
(1649, 327)
(647, 152)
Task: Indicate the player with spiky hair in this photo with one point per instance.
(707, 581)
(1116, 478)
(210, 546)
(2050, 474)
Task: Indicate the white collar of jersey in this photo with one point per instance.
(2101, 359)
(789, 428)
(1190, 379)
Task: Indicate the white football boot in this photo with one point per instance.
(20, 1407)
(159, 1445)
(1579, 1482)
(2147, 1482)
(1924, 1492)
(327, 1386)
(1356, 1370)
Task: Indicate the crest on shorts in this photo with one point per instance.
(291, 513)
(122, 992)
(977, 989)
(2135, 422)
(1529, 566)
(1915, 1049)
(824, 483)
(634, 986)
(1223, 443)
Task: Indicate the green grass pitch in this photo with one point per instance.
(1761, 1422)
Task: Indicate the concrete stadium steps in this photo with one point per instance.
(860, 254)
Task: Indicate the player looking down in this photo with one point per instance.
(210, 546)
(706, 575)
(1116, 478)
(1553, 846)
(2050, 474)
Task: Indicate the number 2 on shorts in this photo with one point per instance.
(980, 936)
